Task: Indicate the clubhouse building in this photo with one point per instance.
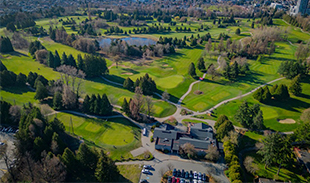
(200, 135)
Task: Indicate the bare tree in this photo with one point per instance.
(249, 165)
(136, 103)
(69, 98)
(117, 60)
(213, 153)
(71, 77)
(165, 96)
(41, 55)
(212, 71)
(149, 105)
(15, 112)
(170, 166)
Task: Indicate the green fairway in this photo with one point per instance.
(20, 62)
(221, 89)
(17, 95)
(118, 136)
(292, 108)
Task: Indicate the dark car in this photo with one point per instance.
(191, 175)
(169, 180)
(174, 173)
(143, 181)
(203, 177)
(182, 173)
(179, 173)
(186, 175)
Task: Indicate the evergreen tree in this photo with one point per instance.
(274, 89)
(227, 72)
(258, 120)
(71, 60)
(5, 45)
(64, 59)
(87, 157)
(137, 83)
(128, 84)
(2, 67)
(97, 109)
(21, 79)
(201, 65)
(266, 97)
(32, 78)
(243, 115)
(106, 105)
(11, 27)
(41, 91)
(80, 62)
(57, 60)
(282, 92)
(72, 164)
(51, 60)
(86, 104)
(92, 103)
(106, 170)
(258, 94)
(125, 107)
(224, 129)
(234, 70)
(220, 121)
(295, 86)
(57, 101)
(238, 31)
(192, 70)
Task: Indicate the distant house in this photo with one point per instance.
(200, 135)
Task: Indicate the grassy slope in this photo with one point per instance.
(105, 134)
(130, 172)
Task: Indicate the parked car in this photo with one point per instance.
(143, 181)
(195, 175)
(199, 176)
(203, 177)
(179, 173)
(182, 173)
(145, 171)
(191, 175)
(169, 180)
(173, 180)
(147, 166)
(178, 180)
(182, 181)
(186, 176)
(1, 143)
(174, 173)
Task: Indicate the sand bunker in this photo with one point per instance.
(166, 65)
(127, 73)
(169, 68)
(286, 121)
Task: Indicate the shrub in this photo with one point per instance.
(234, 176)
(152, 139)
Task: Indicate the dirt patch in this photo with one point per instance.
(166, 65)
(170, 68)
(127, 73)
(286, 121)
(198, 92)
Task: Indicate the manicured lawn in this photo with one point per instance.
(130, 173)
(104, 134)
(17, 95)
(292, 174)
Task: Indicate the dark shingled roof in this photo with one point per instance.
(201, 131)
(199, 144)
(176, 145)
(161, 133)
(164, 142)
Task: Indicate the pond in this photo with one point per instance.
(138, 41)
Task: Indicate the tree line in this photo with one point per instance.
(97, 105)
(5, 45)
(9, 78)
(277, 92)
(146, 84)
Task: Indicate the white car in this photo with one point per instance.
(195, 175)
(147, 166)
(145, 171)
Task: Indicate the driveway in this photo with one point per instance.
(215, 170)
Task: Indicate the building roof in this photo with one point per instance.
(176, 145)
(164, 142)
(304, 156)
(202, 131)
(198, 144)
(161, 133)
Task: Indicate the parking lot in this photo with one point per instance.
(155, 174)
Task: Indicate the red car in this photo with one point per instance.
(173, 180)
(178, 180)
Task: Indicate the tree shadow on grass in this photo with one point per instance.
(289, 104)
(17, 89)
(18, 54)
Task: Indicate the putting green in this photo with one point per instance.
(170, 82)
(220, 95)
(117, 134)
(91, 127)
(269, 113)
(200, 106)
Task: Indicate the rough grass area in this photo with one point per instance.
(105, 134)
(130, 173)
